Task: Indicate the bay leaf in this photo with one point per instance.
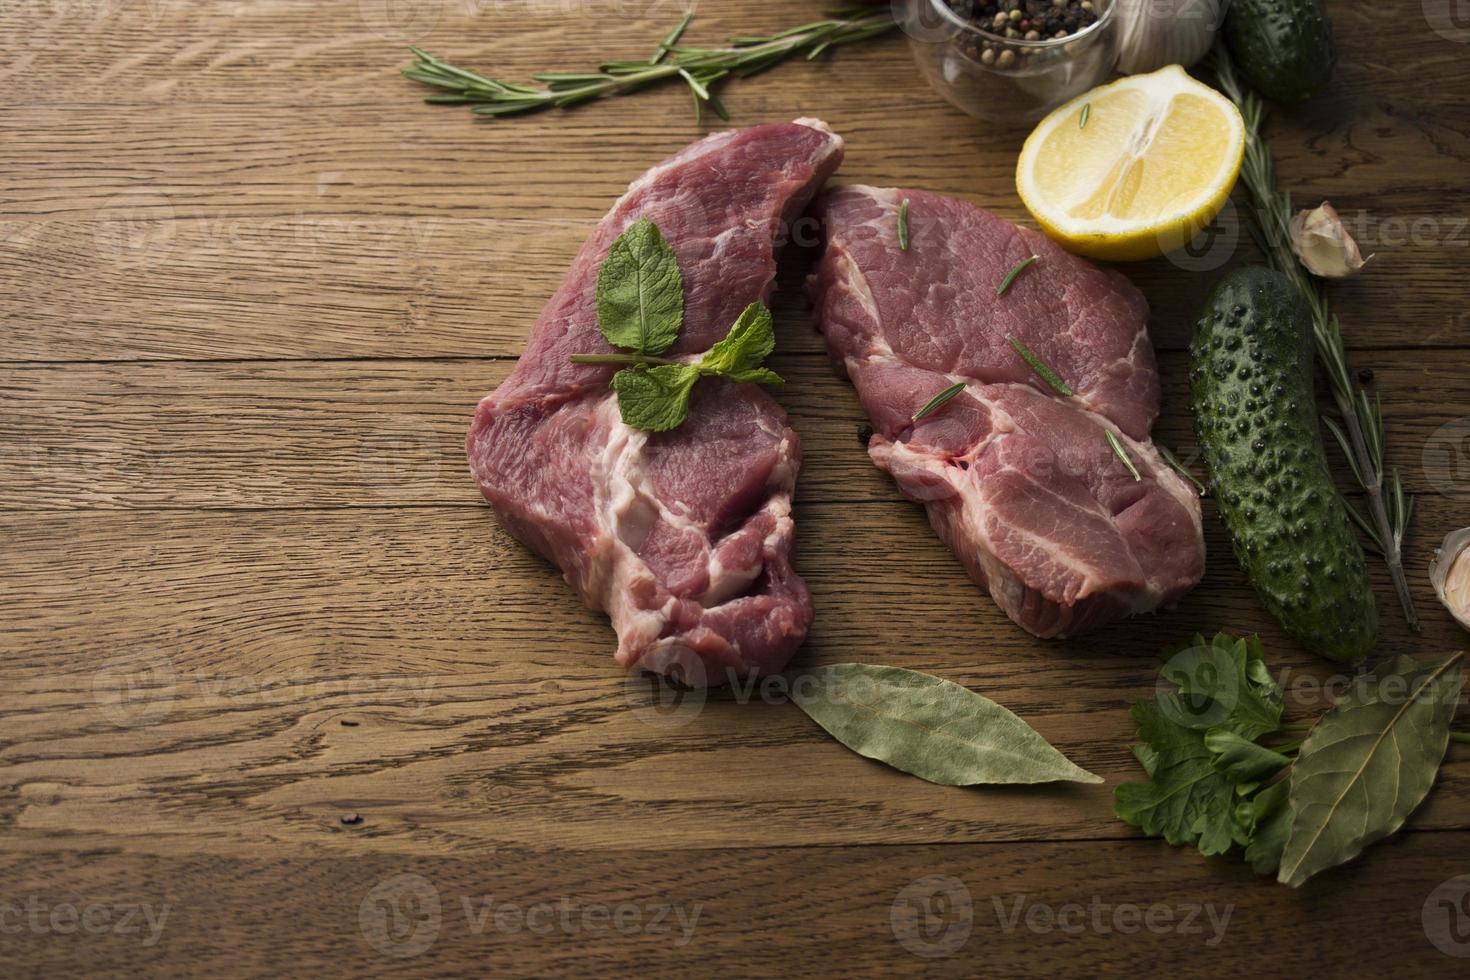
(929, 727)
(1368, 763)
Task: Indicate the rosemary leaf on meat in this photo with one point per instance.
(1021, 267)
(933, 404)
(699, 68)
(1359, 425)
(1040, 367)
(903, 225)
(1179, 467)
(1086, 111)
(1122, 453)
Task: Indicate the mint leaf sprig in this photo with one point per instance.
(640, 308)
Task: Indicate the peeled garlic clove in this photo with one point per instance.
(1449, 573)
(1322, 242)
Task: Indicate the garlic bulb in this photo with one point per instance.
(1322, 242)
(1155, 33)
(1449, 573)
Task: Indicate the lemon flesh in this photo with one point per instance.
(1149, 167)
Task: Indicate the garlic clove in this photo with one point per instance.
(1322, 242)
(1152, 34)
(1449, 573)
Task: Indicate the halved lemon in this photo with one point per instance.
(1132, 169)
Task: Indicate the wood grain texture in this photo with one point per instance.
(265, 651)
(1095, 909)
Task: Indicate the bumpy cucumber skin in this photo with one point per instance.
(1284, 47)
(1250, 378)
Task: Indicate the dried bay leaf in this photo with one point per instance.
(1368, 763)
(929, 727)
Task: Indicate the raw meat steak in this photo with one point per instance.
(684, 537)
(1020, 482)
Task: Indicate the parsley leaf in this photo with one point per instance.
(1268, 820)
(1187, 800)
(1199, 746)
(640, 291)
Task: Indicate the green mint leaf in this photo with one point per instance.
(640, 291)
(655, 399)
(757, 376)
(750, 341)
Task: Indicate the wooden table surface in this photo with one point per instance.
(279, 695)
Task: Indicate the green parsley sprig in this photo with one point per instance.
(640, 309)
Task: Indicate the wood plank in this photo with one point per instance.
(190, 680)
(245, 599)
(337, 54)
(386, 228)
(391, 433)
(876, 911)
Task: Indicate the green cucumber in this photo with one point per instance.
(1250, 378)
(1283, 46)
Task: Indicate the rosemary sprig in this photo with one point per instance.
(1359, 426)
(1179, 467)
(1021, 267)
(1042, 369)
(932, 405)
(700, 68)
(1122, 453)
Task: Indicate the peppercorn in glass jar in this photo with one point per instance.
(1011, 61)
